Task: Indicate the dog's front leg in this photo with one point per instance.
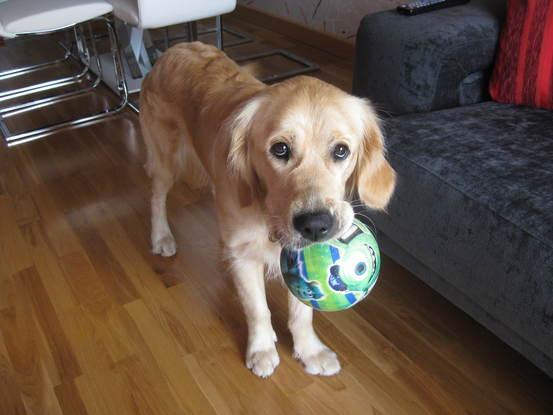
(261, 355)
(317, 358)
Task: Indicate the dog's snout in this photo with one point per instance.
(314, 226)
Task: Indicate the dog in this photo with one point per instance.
(283, 161)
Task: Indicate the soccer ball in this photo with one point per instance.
(334, 275)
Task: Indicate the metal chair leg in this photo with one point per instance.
(27, 136)
(239, 38)
(83, 51)
(166, 38)
(306, 66)
(55, 83)
(11, 73)
(192, 31)
(219, 32)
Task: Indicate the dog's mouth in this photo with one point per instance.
(304, 243)
(291, 233)
(289, 241)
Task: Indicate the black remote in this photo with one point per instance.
(424, 6)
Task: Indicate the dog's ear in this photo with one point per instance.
(373, 178)
(238, 158)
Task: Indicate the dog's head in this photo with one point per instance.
(303, 148)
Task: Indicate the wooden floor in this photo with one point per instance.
(92, 323)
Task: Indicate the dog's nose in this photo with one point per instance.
(314, 226)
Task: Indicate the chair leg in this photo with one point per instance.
(306, 66)
(84, 52)
(192, 31)
(39, 103)
(11, 73)
(27, 136)
(166, 38)
(119, 70)
(238, 38)
(139, 52)
(55, 83)
(219, 33)
(149, 52)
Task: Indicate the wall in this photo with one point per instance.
(340, 17)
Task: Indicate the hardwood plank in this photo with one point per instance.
(205, 382)
(108, 268)
(55, 230)
(47, 264)
(69, 398)
(13, 254)
(90, 398)
(85, 283)
(48, 320)
(88, 343)
(22, 344)
(189, 394)
(10, 396)
(148, 395)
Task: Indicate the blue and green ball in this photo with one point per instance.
(334, 275)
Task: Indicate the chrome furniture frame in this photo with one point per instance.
(84, 56)
(81, 55)
(306, 66)
(10, 73)
(193, 33)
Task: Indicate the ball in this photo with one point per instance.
(334, 275)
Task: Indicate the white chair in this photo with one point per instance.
(142, 15)
(153, 14)
(22, 18)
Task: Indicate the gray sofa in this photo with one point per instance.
(473, 212)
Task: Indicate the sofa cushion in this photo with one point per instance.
(523, 71)
(474, 205)
(499, 155)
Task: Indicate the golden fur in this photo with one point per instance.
(207, 121)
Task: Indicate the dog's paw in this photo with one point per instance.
(165, 246)
(263, 363)
(323, 363)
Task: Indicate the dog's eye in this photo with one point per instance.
(340, 152)
(280, 151)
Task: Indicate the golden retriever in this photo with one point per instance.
(282, 161)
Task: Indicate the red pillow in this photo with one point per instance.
(523, 71)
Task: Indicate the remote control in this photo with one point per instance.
(424, 6)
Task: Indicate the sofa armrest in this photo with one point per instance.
(430, 61)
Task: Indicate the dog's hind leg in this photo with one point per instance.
(163, 242)
(163, 167)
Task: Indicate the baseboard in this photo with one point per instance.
(321, 40)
